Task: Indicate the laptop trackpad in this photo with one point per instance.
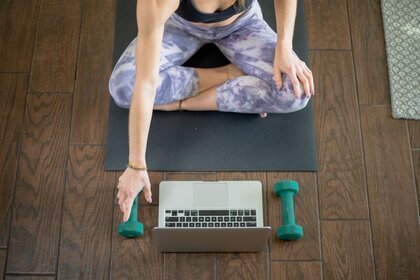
(210, 194)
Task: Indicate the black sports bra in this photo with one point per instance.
(188, 11)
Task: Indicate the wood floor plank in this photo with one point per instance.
(29, 277)
(395, 227)
(327, 24)
(189, 265)
(18, 23)
(3, 253)
(347, 250)
(136, 258)
(341, 176)
(416, 164)
(369, 51)
(55, 55)
(91, 99)
(85, 249)
(155, 178)
(414, 130)
(306, 213)
(35, 224)
(296, 270)
(244, 265)
(12, 107)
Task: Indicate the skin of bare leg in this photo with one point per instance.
(205, 101)
(210, 77)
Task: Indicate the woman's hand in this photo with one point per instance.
(287, 61)
(130, 184)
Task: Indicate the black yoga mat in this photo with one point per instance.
(211, 140)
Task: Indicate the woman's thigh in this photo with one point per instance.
(252, 48)
(177, 47)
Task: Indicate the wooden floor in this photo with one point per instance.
(58, 211)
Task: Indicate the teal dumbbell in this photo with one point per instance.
(132, 228)
(287, 189)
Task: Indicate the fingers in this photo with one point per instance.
(128, 203)
(310, 77)
(147, 190)
(302, 77)
(121, 199)
(295, 82)
(263, 115)
(277, 79)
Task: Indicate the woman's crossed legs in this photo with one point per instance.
(245, 86)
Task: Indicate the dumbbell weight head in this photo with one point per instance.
(286, 190)
(286, 186)
(131, 228)
(290, 232)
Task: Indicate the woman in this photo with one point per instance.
(265, 75)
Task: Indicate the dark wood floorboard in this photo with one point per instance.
(395, 226)
(416, 164)
(91, 97)
(143, 248)
(296, 270)
(87, 215)
(244, 265)
(3, 253)
(36, 217)
(55, 55)
(414, 130)
(306, 214)
(347, 250)
(369, 52)
(137, 258)
(12, 107)
(18, 21)
(30, 277)
(327, 24)
(341, 178)
(189, 265)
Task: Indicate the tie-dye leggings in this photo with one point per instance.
(248, 42)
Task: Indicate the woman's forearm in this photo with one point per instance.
(285, 21)
(140, 115)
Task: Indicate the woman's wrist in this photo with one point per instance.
(137, 161)
(136, 167)
(284, 45)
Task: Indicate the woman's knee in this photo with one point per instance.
(120, 87)
(284, 99)
(250, 94)
(175, 83)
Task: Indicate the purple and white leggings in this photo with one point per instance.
(248, 42)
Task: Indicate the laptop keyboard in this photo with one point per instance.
(210, 218)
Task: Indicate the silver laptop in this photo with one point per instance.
(211, 216)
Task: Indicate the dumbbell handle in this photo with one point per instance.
(134, 208)
(288, 208)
